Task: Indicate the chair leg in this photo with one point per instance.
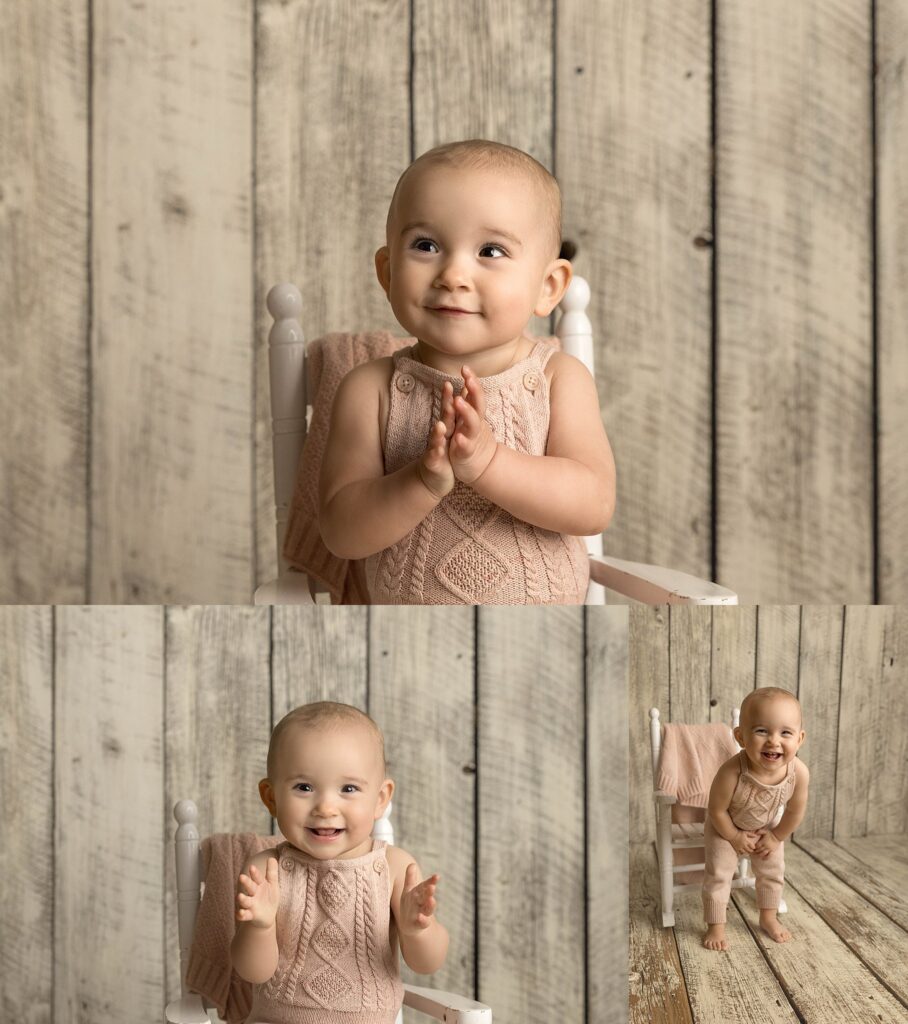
(666, 878)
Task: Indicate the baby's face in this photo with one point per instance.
(328, 789)
(772, 734)
(474, 240)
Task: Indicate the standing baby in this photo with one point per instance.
(321, 914)
(744, 801)
(466, 467)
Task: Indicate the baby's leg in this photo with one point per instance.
(721, 861)
(769, 873)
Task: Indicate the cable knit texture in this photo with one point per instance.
(338, 962)
(468, 550)
(754, 805)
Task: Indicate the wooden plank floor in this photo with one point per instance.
(848, 913)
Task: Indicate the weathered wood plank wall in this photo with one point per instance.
(507, 736)
(735, 186)
(847, 667)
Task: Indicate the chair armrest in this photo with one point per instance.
(651, 584)
(291, 588)
(446, 1006)
(664, 798)
(187, 1010)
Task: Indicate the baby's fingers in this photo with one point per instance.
(248, 884)
(447, 407)
(468, 419)
(472, 390)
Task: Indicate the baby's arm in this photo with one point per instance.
(361, 510)
(720, 794)
(570, 489)
(793, 816)
(423, 941)
(253, 952)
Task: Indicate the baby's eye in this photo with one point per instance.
(493, 246)
(760, 732)
(303, 787)
(420, 242)
(349, 788)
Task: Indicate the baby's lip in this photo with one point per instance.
(453, 309)
(324, 829)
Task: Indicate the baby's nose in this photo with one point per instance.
(452, 274)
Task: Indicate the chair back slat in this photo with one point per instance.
(188, 875)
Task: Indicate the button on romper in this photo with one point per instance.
(337, 952)
(754, 805)
(469, 550)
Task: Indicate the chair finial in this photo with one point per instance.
(654, 714)
(577, 296)
(186, 812)
(285, 302)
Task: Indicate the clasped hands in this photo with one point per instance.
(758, 844)
(461, 444)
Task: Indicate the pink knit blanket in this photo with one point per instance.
(689, 759)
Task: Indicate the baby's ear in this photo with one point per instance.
(266, 792)
(383, 268)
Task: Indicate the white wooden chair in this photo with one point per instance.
(191, 1008)
(686, 835)
(291, 411)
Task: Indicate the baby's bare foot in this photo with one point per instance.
(773, 927)
(714, 937)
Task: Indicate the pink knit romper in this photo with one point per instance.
(338, 958)
(468, 550)
(754, 805)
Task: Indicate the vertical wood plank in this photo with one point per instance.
(217, 699)
(108, 776)
(606, 813)
(690, 654)
(733, 660)
(531, 796)
(421, 694)
(872, 789)
(27, 799)
(331, 138)
(892, 304)
(44, 300)
(793, 185)
(778, 641)
(318, 653)
(648, 684)
(632, 144)
(172, 305)
(820, 676)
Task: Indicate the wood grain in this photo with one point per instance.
(866, 931)
(216, 684)
(171, 357)
(794, 373)
(892, 296)
(886, 891)
(658, 991)
(109, 785)
(734, 657)
(689, 648)
(778, 640)
(44, 300)
(531, 810)
(819, 691)
(331, 139)
(822, 979)
(632, 154)
(27, 798)
(648, 686)
(606, 813)
(421, 694)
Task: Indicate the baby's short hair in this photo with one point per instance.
(483, 153)
(320, 713)
(763, 693)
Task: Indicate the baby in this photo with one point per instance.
(746, 795)
(321, 914)
(466, 468)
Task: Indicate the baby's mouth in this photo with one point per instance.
(771, 755)
(325, 833)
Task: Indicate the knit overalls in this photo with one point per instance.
(754, 805)
(337, 962)
(468, 550)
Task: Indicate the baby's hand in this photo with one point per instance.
(417, 902)
(745, 842)
(257, 899)
(472, 445)
(767, 844)
(434, 464)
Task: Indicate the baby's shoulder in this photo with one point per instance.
(372, 375)
(802, 774)
(562, 368)
(260, 859)
(398, 862)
